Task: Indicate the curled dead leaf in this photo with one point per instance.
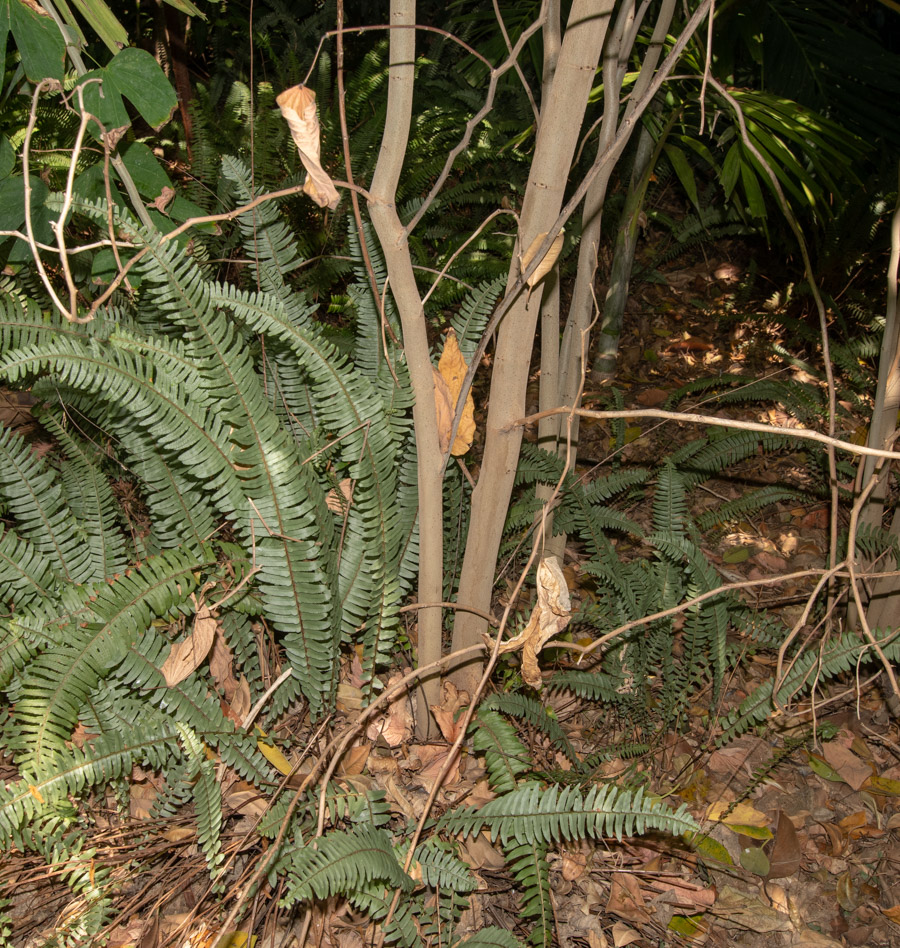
(550, 616)
(547, 261)
(298, 106)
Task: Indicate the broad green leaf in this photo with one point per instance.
(823, 769)
(755, 200)
(145, 170)
(104, 101)
(685, 172)
(39, 40)
(91, 186)
(754, 860)
(12, 204)
(731, 169)
(140, 79)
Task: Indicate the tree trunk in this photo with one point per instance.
(395, 245)
(560, 127)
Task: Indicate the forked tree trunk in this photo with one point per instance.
(560, 128)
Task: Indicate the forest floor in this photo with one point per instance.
(809, 827)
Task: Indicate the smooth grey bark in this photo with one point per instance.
(576, 338)
(884, 604)
(560, 126)
(395, 246)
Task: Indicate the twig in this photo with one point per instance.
(801, 433)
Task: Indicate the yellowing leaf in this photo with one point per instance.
(549, 258)
(274, 756)
(709, 848)
(742, 814)
(882, 785)
(448, 380)
(298, 106)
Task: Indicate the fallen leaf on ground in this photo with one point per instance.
(784, 859)
(853, 771)
(184, 657)
(395, 726)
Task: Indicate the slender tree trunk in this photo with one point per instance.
(577, 337)
(623, 260)
(884, 604)
(395, 246)
(561, 117)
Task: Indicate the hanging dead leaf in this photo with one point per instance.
(448, 380)
(298, 106)
(548, 260)
(550, 616)
(185, 657)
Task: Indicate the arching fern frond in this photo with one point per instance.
(536, 814)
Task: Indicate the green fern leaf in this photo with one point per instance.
(536, 814)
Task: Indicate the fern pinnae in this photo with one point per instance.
(91, 501)
(283, 515)
(536, 814)
(35, 499)
(351, 408)
(59, 680)
(529, 867)
(343, 862)
(506, 758)
(26, 574)
(526, 708)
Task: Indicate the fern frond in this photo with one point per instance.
(36, 501)
(342, 863)
(528, 865)
(536, 814)
(57, 682)
(505, 755)
(526, 708)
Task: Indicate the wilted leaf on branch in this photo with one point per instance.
(298, 106)
(448, 380)
(550, 616)
(547, 261)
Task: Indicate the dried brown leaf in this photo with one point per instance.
(298, 106)
(548, 260)
(184, 657)
(550, 616)
(448, 380)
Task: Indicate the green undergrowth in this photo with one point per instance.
(234, 420)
